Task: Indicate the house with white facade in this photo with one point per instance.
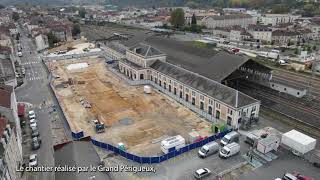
(41, 42)
(275, 19)
(242, 20)
(261, 33)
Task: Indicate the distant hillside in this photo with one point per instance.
(159, 3)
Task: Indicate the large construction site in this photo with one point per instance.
(138, 120)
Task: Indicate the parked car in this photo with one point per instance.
(34, 128)
(229, 150)
(35, 144)
(203, 172)
(33, 160)
(20, 54)
(31, 114)
(35, 134)
(289, 176)
(208, 149)
(34, 124)
(33, 121)
(229, 138)
(301, 177)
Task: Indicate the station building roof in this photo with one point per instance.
(205, 85)
(215, 65)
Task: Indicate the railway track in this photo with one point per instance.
(308, 82)
(299, 111)
(314, 90)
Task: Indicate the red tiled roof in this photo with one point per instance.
(5, 96)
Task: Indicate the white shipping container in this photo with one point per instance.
(298, 142)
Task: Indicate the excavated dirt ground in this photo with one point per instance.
(138, 120)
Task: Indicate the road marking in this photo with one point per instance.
(35, 78)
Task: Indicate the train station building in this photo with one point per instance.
(201, 83)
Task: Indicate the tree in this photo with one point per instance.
(2, 6)
(15, 16)
(194, 26)
(194, 20)
(52, 39)
(177, 18)
(82, 13)
(280, 9)
(75, 29)
(314, 47)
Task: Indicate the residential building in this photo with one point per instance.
(10, 156)
(7, 72)
(199, 16)
(314, 26)
(62, 32)
(8, 109)
(205, 96)
(242, 20)
(261, 33)
(223, 32)
(41, 42)
(240, 35)
(285, 37)
(5, 38)
(275, 19)
(234, 10)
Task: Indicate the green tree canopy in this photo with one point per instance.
(82, 13)
(15, 16)
(177, 18)
(52, 39)
(194, 20)
(75, 29)
(280, 9)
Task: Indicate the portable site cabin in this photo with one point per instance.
(171, 143)
(298, 142)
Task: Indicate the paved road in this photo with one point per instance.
(35, 91)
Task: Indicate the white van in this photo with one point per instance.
(229, 138)
(208, 149)
(20, 54)
(229, 150)
(175, 141)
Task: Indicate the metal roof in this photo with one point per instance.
(207, 62)
(145, 50)
(207, 86)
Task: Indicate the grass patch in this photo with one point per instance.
(199, 44)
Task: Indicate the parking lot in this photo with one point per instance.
(181, 167)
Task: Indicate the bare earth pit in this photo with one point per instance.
(138, 120)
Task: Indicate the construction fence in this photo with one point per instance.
(158, 159)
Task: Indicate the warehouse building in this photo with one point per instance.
(202, 91)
